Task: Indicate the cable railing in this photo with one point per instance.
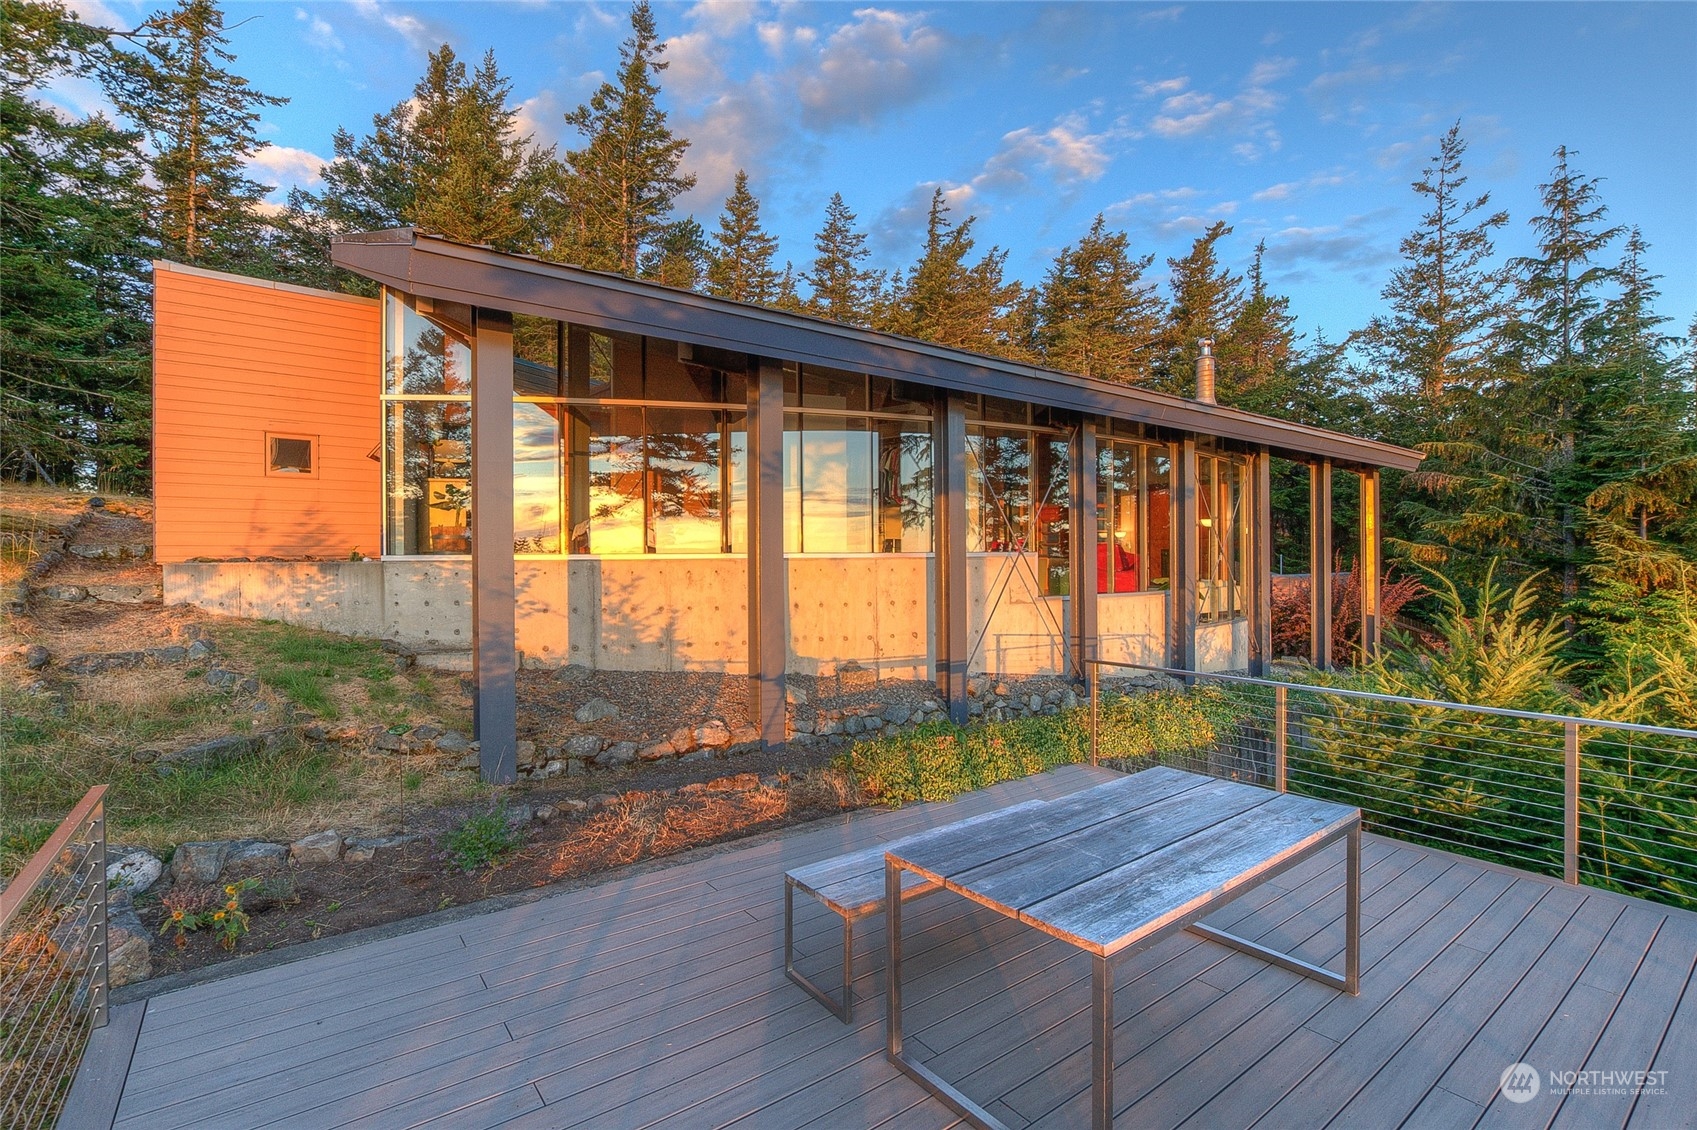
(1607, 804)
(53, 966)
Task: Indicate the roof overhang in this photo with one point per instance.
(411, 261)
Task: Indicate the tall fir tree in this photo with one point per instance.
(843, 290)
(1259, 348)
(678, 257)
(74, 300)
(1095, 315)
(449, 160)
(201, 121)
(786, 295)
(618, 197)
(739, 260)
(1206, 298)
(946, 300)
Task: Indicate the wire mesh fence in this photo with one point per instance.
(52, 966)
(1604, 803)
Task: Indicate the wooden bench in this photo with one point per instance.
(852, 887)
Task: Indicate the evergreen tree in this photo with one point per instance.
(678, 257)
(1259, 348)
(200, 120)
(448, 160)
(785, 295)
(73, 261)
(618, 198)
(843, 290)
(945, 300)
(1095, 315)
(1205, 301)
(739, 262)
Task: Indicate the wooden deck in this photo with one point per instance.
(660, 1000)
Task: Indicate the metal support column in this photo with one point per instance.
(768, 604)
(1186, 552)
(1372, 566)
(1083, 582)
(494, 637)
(949, 464)
(1261, 565)
(1320, 562)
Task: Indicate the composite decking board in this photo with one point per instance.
(1255, 987)
(1245, 1098)
(1444, 1110)
(1635, 1031)
(1677, 1055)
(1404, 1080)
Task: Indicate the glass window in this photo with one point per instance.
(686, 486)
(836, 485)
(288, 455)
(1158, 512)
(998, 490)
(1120, 520)
(736, 429)
(423, 356)
(792, 482)
(537, 341)
(429, 477)
(1054, 514)
(831, 388)
(536, 478)
(671, 378)
(904, 487)
(1220, 537)
(613, 521)
(999, 411)
(890, 395)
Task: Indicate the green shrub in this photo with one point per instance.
(941, 760)
(481, 840)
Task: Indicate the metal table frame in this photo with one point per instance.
(1102, 973)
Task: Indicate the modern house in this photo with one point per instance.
(532, 464)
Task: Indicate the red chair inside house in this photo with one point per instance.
(1118, 573)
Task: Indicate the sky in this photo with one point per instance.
(1299, 124)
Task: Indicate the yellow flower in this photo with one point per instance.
(176, 916)
(230, 889)
(231, 905)
(219, 917)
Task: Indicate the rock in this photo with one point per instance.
(853, 724)
(553, 768)
(254, 856)
(524, 754)
(453, 743)
(1069, 700)
(129, 949)
(872, 723)
(68, 593)
(596, 710)
(683, 739)
(199, 649)
(802, 727)
(547, 814)
(583, 746)
(736, 782)
(657, 751)
(123, 594)
(600, 801)
(368, 850)
(385, 742)
(897, 715)
(794, 695)
(135, 871)
(691, 789)
(36, 657)
(320, 847)
(828, 727)
(573, 807)
(110, 661)
(520, 816)
(574, 673)
(974, 708)
(199, 861)
(1035, 703)
(619, 753)
(248, 686)
(219, 677)
(426, 732)
(173, 654)
(1000, 690)
(745, 733)
(714, 735)
(222, 751)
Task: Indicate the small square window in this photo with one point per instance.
(290, 455)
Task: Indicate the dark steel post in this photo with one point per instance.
(102, 933)
(949, 464)
(768, 612)
(1281, 737)
(1570, 802)
(1352, 914)
(1185, 553)
(1261, 566)
(892, 960)
(1320, 562)
(494, 647)
(1102, 1043)
(1083, 582)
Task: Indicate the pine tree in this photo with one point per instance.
(1095, 315)
(618, 197)
(200, 120)
(843, 290)
(678, 257)
(73, 261)
(1259, 348)
(785, 295)
(449, 160)
(1205, 300)
(945, 300)
(739, 262)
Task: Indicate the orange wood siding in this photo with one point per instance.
(233, 359)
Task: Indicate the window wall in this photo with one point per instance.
(1018, 493)
(427, 428)
(1133, 515)
(1221, 536)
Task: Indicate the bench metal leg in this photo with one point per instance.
(1101, 1043)
(845, 1010)
(1350, 980)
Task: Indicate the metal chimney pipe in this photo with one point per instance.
(1205, 372)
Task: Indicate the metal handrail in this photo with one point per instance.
(1570, 779)
(17, 891)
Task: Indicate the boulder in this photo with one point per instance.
(714, 735)
(1035, 702)
(36, 657)
(68, 593)
(199, 861)
(736, 782)
(619, 753)
(595, 710)
(199, 649)
(583, 746)
(129, 948)
(657, 751)
(524, 754)
(175, 653)
(547, 814)
(794, 695)
(320, 847)
(368, 850)
(683, 739)
(573, 673)
(134, 871)
(453, 743)
(425, 733)
(253, 857)
(123, 594)
(897, 714)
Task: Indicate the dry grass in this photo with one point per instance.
(642, 825)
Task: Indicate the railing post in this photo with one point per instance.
(1570, 806)
(1281, 714)
(1095, 684)
(102, 949)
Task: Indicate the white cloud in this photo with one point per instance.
(1246, 115)
(1066, 151)
(1163, 87)
(319, 33)
(94, 13)
(419, 34)
(880, 60)
(1168, 15)
(287, 167)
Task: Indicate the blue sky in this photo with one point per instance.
(1300, 124)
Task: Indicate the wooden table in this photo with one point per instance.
(1114, 869)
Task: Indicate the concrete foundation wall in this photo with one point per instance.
(1012, 629)
(1223, 647)
(874, 609)
(1132, 627)
(634, 613)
